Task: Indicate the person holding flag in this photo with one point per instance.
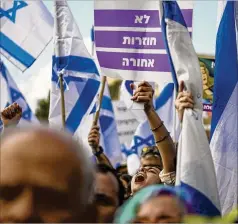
(13, 102)
(195, 169)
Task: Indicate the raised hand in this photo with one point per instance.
(94, 137)
(11, 115)
(184, 100)
(143, 94)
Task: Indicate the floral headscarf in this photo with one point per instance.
(128, 211)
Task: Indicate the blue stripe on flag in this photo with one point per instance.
(77, 64)
(107, 103)
(3, 71)
(226, 68)
(16, 51)
(83, 103)
(164, 96)
(94, 109)
(105, 122)
(164, 31)
(202, 205)
(172, 11)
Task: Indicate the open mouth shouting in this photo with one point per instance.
(140, 177)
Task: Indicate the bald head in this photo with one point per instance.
(45, 177)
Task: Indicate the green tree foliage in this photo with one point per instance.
(43, 105)
(42, 110)
(114, 88)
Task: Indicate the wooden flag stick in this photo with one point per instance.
(103, 83)
(62, 98)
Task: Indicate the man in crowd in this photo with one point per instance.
(109, 193)
(45, 176)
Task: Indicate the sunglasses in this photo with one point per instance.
(150, 150)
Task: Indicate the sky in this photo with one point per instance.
(35, 82)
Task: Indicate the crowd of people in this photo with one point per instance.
(46, 176)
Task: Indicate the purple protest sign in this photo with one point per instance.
(129, 40)
(134, 61)
(134, 18)
(207, 107)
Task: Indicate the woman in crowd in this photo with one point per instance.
(156, 204)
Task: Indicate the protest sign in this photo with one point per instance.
(126, 122)
(129, 40)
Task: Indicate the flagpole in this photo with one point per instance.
(60, 73)
(103, 83)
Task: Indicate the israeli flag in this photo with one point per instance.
(26, 29)
(10, 94)
(109, 135)
(164, 106)
(224, 126)
(80, 74)
(195, 168)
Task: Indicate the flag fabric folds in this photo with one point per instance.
(26, 29)
(10, 93)
(195, 168)
(109, 135)
(80, 75)
(224, 126)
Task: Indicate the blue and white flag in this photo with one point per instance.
(80, 74)
(195, 168)
(109, 135)
(10, 94)
(26, 29)
(224, 126)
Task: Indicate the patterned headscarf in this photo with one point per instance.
(128, 211)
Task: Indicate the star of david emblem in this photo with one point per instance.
(139, 142)
(126, 151)
(11, 13)
(16, 96)
(27, 114)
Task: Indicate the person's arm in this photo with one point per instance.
(11, 116)
(93, 140)
(144, 93)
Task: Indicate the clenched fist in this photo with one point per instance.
(94, 137)
(11, 115)
(143, 94)
(184, 100)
